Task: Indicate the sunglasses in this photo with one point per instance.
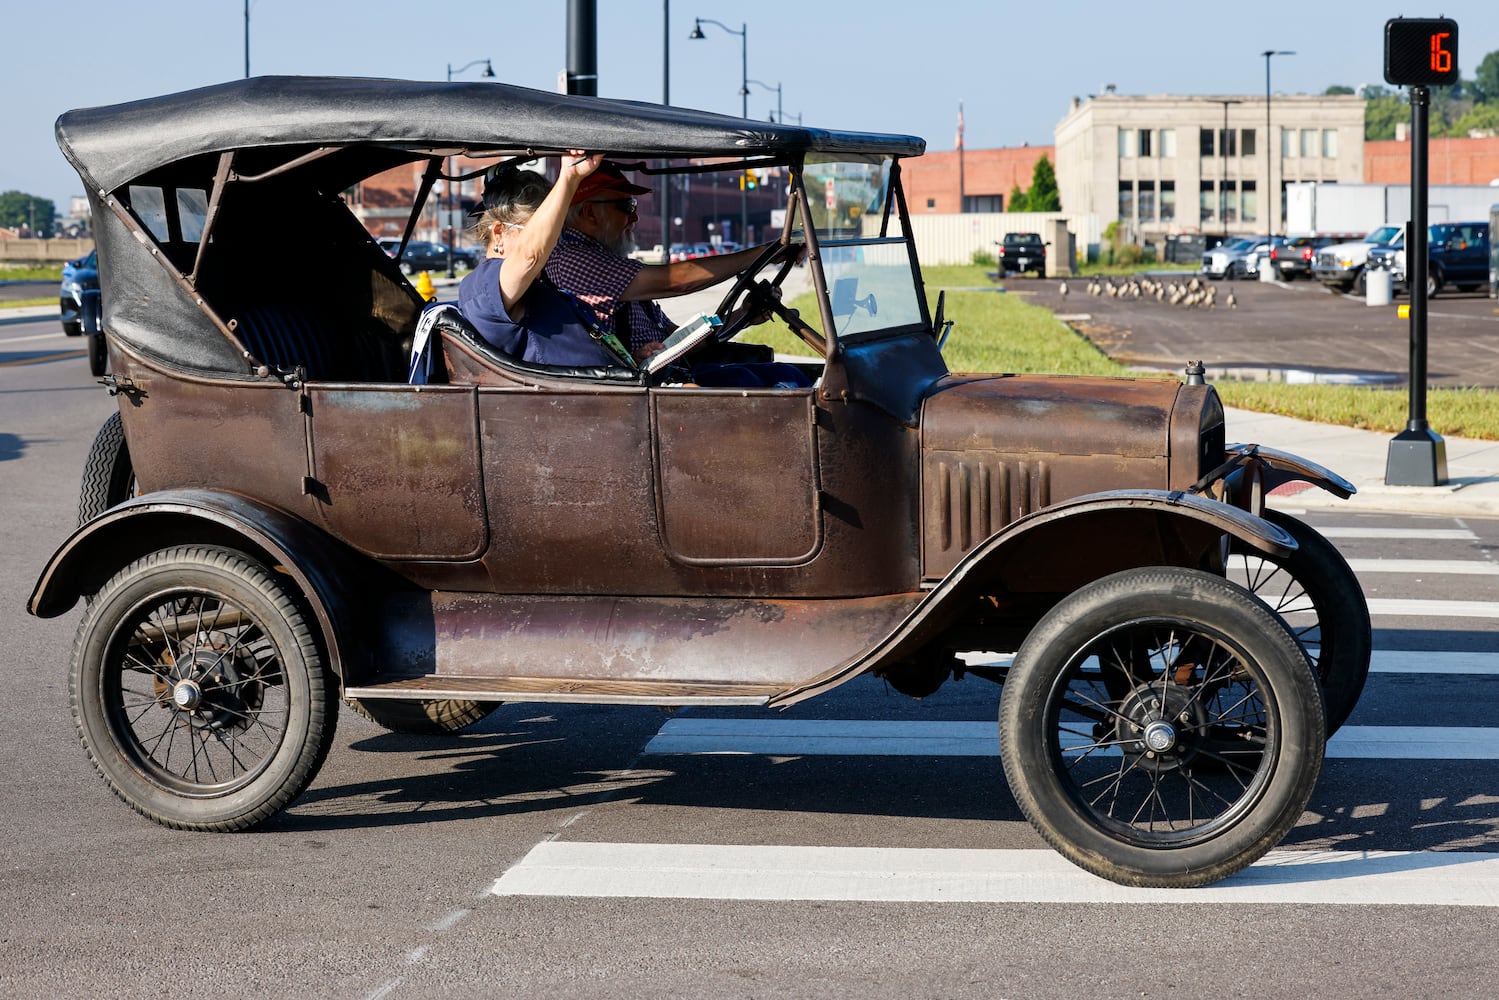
(625, 205)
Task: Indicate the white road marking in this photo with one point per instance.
(1453, 567)
(1425, 534)
(896, 738)
(883, 874)
(1434, 609)
(1414, 661)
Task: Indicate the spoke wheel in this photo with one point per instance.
(428, 717)
(198, 690)
(1321, 601)
(108, 476)
(1161, 727)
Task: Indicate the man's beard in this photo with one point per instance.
(623, 245)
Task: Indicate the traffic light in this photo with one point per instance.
(748, 180)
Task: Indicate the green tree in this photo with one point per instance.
(19, 209)
(1337, 90)
(1017, 201)
(1485, 85)
(1043, 195)
(1381, 115)
(1479, 116)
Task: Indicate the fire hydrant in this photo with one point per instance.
(425, 288)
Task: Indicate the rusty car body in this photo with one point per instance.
(275, 519)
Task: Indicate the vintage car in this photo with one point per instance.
(275, 519)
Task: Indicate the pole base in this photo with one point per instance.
(1416, 458)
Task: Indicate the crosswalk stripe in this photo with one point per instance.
(900, 738)
(1425, 534)
(1433, 609)
(953, 875)
(1416, 661)
(1444, 567)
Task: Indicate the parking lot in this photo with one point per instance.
(1286, 327)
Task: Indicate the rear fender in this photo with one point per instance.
(1054, 552)
(319, 569)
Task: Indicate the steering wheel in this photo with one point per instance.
(757, 295)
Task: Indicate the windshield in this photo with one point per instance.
(865, 255)
(1383, 235)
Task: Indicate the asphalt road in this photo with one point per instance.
(441, 867)
(1299, 326)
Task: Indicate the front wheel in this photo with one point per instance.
(98, 354)
(198, 690)
(1320, 599)
(1161, 727)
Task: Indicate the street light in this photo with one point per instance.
(743, 33)
(451, 228)
(1223, 164)
(1270, 195)
(777, 88)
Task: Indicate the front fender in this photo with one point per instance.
(1060, 549)
(318, 567)
(1251, 471)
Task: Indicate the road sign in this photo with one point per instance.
(1420, 51)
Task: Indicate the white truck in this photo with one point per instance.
(1341, 265)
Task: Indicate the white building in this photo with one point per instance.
(1165, 165)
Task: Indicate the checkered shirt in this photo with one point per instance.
(596, 276)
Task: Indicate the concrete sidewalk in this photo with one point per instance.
(1359, 456)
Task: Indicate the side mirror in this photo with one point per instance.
(843, 296)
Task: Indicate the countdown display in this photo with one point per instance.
(1420, 52)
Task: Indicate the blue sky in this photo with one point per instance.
(875, 65)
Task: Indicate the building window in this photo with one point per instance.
(1205, 142)
(1207, 202)
(931, 203)
(1230, 202)
(1126, 201)
(1126, 143)
(1246, 142)
(1288, 143)
(1168, 201)
(1147, 201)
(1168, 142)
(1330, 143)
(1250, 203)
(1227, 142)
(1309, 142)
(983, 203)
(1145, 134)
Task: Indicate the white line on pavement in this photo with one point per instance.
(1454, 567)
(1414, 661)
(1434, 609)
(898, 738)
(883, 874)
(1425, 534)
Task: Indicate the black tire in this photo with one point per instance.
(407, 267)
(1361, 283)
(72, 329)
(1204, 671)
(431, 717)
(199, 691)
(1323, 605)
(98, 354)
(1433, 283)
(108, 477)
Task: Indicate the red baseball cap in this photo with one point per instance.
(607, 179)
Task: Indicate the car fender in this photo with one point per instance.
(321, 570)
(1067, 545)
(1252, 471)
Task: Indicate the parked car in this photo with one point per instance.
(1293, 256)
(1457, 254)
(80, 307)
(1226, 260)
(1341, 265)
(78, 275)
(309, 527)
(1021, 252)
(424, 256)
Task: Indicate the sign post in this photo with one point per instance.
(1419, 53)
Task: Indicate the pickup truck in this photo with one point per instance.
(1020, 252)
(1341, 265)
(1457, 255)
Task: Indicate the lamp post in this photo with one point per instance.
(1271, 192)
(743, 33)
(450, 229)
(665, 198)
(777, 88)
(1223, 165)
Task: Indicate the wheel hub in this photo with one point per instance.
(187, 695)
(1160, 725)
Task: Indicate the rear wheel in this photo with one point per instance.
(198, 690)
(431, 717)
(98, 354)
(108, 477)
(1161, 727)
(1321, 601)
